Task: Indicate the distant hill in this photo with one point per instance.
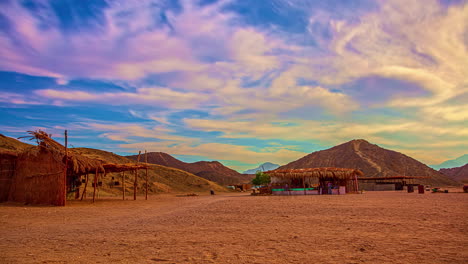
(163, 179)
(458, 162)
(371, 159)
(459, 174)
(264, 167)
(211, 170)
(102, 155)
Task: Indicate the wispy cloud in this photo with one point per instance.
(17, 99)
(420, 43)
(128, 132)
(216, 150)
(247, 75)
(148, 96)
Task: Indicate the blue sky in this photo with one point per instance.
(243, 82)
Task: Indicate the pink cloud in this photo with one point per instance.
(18, 99)
(127, 47)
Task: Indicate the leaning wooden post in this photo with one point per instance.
(123, 185)
(95, 183)
(135, 183)
(146, 185)
(356, 183)
(105, 174)
(84, 190)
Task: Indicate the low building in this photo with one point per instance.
(314, 181)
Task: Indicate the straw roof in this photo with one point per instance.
(394, 178)
(77, 163)
(112, 167)
(340, 173)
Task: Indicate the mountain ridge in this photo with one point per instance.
(453, 163)
(371, 159)
(263, 167)
(211, 170)
(459, 174)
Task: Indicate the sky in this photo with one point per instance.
(242, 82)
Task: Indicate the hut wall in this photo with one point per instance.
(384, 187)
(372, 186)
(39, 179)
(7, 172)
(367, 186)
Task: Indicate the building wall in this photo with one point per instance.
(7, 172)
(39, 179)
(376, 187)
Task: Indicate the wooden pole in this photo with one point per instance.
(105, 174)
(356, 183)
(146, 185)
(123, 185)
(135, 172)
(84, 190)
(135, 183)
(66, 169)
(303, 185)
(95, 183)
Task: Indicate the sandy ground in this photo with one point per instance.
(374, 227)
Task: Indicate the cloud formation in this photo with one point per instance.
(201, 75)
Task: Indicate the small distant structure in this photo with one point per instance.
(242, 187)
(392, 183)
(314, 181)
(49, 173)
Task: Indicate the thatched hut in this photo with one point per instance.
(47, 173)
(113, 167)
(314, 181)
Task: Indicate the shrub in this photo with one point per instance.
(261, 178)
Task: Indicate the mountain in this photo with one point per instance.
(264, 167)
(460, 161)
(459, 174)
(210, 170)
(371, 159)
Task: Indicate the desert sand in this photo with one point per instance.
(374, 227)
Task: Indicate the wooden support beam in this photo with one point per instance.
(95, 183)
(84, 190)
(303, 185)
(146, 184)
(356, 183)
(135, 183)
(123, 185)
